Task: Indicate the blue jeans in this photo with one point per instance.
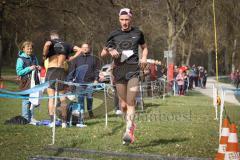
(26, 112)
(88, 93)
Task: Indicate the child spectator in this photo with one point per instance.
(180, 81)
(26, 63)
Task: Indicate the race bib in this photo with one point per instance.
(126, 54)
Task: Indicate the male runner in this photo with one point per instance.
(122, 45)
(57, 51)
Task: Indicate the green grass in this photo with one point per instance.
(177, 126)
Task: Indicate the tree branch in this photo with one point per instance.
(197, 2)
(181, 27)
(170, 9)
(80, 19)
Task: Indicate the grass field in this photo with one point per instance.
(177, 126)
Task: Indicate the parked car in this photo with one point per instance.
(105, 73)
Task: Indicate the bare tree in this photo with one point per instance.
(186, 27)
(179, 12)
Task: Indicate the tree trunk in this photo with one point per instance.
(174, 29)
(172, 39)
(183, 52)
(172, 42)
(189, 50)
(189, 54)
(234, 55)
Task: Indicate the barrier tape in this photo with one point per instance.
(25, 94)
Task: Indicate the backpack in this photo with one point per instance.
(17, 120)
(59, 47)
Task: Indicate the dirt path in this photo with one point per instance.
(229, 97)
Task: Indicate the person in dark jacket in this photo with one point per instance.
(91, 76)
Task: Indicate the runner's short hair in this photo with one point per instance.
(54, 33)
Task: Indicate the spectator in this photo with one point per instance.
(237, 75)
(175, 85)
(191, 75)
(26, 63)
(153, 70)
(205, 78)
(201, 76)
(159, 70)
(180, 81)
(195, 74)
(186, 80)
(91, 76)
(147, 79)
(115, 95)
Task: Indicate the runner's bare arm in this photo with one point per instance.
(143, 60)
(46, 48)
(104, 52)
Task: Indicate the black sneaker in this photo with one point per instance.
(91, 115)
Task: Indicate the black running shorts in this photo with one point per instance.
(124, 72)
(54, 73)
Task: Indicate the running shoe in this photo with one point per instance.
(118, 112)
(33, 121)
(50, 125)
(64, 125)
(129, 135)
(80, 125)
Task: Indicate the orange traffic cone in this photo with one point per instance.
(232, 145)
(223, 140)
